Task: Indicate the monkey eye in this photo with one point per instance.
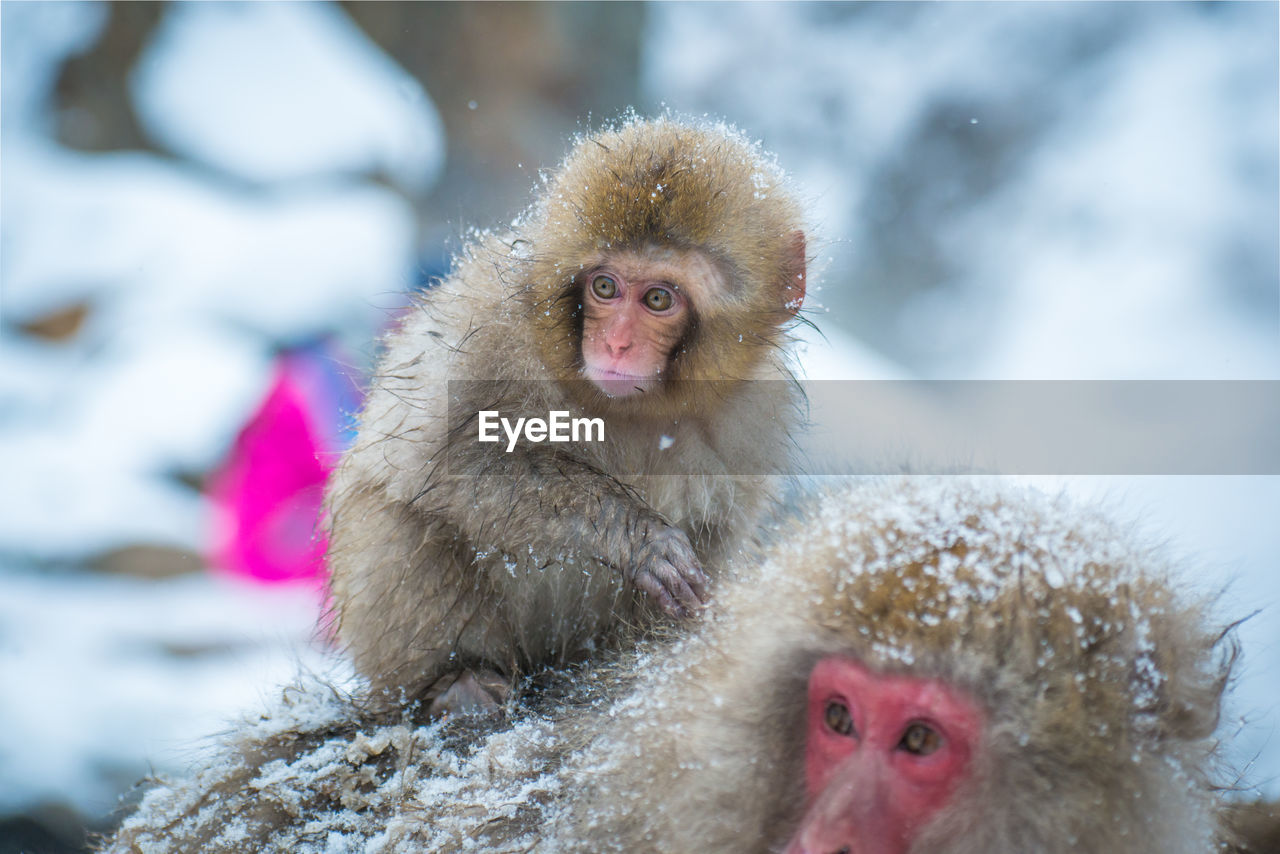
(604, 287)
(920, 739)
(658, 299)
(838, 719)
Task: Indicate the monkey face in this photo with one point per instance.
(637, 307)
(882, 754)
(629, 330)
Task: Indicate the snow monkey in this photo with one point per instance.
(940, 667)
(645, 296)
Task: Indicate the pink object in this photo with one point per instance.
(267, 496)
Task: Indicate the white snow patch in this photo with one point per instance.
(118, 676)
(167, 245)
(282, 91)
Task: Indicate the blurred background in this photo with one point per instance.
(208, 212)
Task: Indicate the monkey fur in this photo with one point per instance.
(444, 557)
(1252, 827)
(1099, 681)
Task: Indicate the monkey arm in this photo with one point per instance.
(431, 566)
(555, 506)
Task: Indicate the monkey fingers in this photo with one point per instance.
(668, 571)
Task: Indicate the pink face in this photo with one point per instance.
(632, 322)
(882, 755)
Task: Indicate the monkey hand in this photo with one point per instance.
(667, 569)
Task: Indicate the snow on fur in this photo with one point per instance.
(1100, 681)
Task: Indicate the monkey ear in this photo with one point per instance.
(793, 283)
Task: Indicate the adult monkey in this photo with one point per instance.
(650, 284)
(930, 666)
(933, 668)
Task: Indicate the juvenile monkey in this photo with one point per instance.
(919, 668)
(650, 285)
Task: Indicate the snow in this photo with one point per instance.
(325, 99)
(1115, 216)
(161, 243)
(105, 677)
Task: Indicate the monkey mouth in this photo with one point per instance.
(618, 383)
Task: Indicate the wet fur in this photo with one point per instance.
(1100, 682)
(442, 558)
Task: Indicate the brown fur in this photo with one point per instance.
(1100, 685)
(444, 558)
(1253, 827)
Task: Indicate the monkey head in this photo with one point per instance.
(997, 659)
(663, 252)
(935, 666)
